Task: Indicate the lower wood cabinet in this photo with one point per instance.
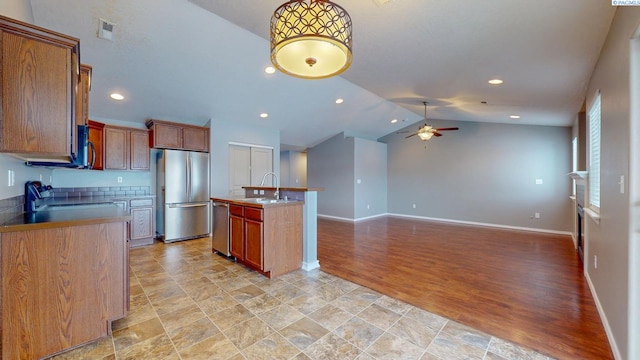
(61, 287)
(236, 231)
(267, 239)
(141, 229)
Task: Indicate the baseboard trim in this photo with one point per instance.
(603, 318)
(500, 226)
(310, 266)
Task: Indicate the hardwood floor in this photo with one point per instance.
(522, 286)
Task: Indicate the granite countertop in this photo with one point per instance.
(301, 189)
(73, 211)
(70, 216)
(253, 202)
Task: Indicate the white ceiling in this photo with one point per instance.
(181, 60)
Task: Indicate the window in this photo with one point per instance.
(574, 159)
(594, 153)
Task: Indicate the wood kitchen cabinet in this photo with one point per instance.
(254, 238)
(169, 135)
(142, 231)
(96, 137)
(269, 239)
(236, 231)
(39, 73)
(126, 148)
(61, 287)
(82, 102)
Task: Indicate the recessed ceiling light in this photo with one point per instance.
(394, 121)
(116, 96)
(264, 115)
(515, 116)
(339, 101)
(495, 81)
(270, 70)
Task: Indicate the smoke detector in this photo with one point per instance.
(105, 29)
(382, 2)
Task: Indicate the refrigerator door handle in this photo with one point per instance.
(187, 205)
(188, 165)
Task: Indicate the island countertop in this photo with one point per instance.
(301, 189)
(255, 202)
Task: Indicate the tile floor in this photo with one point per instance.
(187, 303)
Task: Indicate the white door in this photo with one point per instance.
(261, 163)
(239, 169)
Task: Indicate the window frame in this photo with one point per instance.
(595, 152)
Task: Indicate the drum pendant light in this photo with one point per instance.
(311, 39)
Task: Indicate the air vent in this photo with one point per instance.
(382, 2)
(105, 30)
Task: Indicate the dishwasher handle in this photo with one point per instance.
(220, 204)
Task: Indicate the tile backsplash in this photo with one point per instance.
(71, 192)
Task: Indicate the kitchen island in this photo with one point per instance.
(265, 234)
(309, 217)
(65, 278)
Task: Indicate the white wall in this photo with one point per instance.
(224, 132)
(609, 240)
(17, 9)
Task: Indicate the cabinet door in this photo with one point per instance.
(253, 242)
(36, 95)
(96, 137)
(196, 139)
(82, 101)
(236, 237)
(141, 223)
(139, 148)
(116, 148)
(167, 136)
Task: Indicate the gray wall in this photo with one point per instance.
(293, 168)
(485, 173)
(371, 178)
(224, 132)
(331, 165)
(353, 173)
(609, 240)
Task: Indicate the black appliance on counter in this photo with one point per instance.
(34, 191)
(79, 157)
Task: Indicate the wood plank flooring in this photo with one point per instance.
(525, 287)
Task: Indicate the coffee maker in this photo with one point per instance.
(34, 191)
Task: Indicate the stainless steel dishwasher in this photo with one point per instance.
(220, 228)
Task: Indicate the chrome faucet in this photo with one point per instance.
(277, 193)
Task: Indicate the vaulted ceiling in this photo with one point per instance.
(191, 61)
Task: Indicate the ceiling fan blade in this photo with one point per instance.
(436, 133)
(443, 129)
(406, 137)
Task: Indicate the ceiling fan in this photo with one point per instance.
(426, 131)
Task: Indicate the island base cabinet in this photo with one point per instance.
(61, 287)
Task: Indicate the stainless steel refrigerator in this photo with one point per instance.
(183, 189)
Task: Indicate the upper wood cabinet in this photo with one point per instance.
(39, 74)
(82, 102)
(169, 135)
(126, 148)
(96, 137)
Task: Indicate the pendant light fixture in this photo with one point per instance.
(311, 39)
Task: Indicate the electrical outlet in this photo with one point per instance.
(119, 179)
(538, 181)
(368, 207)
(414, 206)
(537, 215)
(40, 177)
(595, 261)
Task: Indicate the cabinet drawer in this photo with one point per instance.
(236, 210)
(141, 202)
(253, 214)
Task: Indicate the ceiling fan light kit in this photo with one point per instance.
(311, 39)
(426, 131)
